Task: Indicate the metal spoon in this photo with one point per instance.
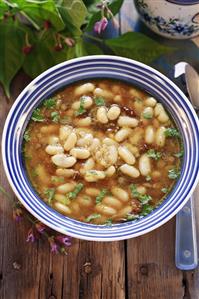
(186, 252)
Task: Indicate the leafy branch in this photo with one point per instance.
(36, 35)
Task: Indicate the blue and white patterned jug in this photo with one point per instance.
(178, 19)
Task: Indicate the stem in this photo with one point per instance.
(30, 20)
(97, 39)
(3, 191)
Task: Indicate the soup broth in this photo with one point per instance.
(102, 152)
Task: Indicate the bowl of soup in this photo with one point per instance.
(102, 148)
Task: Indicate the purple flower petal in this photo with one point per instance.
(30, 237)
(101, 25)
(65, 240)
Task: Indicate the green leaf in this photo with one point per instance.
(154, 154)
(3, 9)
(92, 217)
(147, 115)
(109, 222)
(99, 101)
(95, 16)
(11, 56)
(81, 109)
(73, 14)
(50, 103)
(180, 154)
(49, 194)
(172, 132)
(137, 46)
(130, 217)
(57, 179)
(37, 115)
(39, 11)
(26, 136)
(146, 209)
(143, 198)
(165, 190)
(83, 48)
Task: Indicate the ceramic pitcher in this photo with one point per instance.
(178, 19)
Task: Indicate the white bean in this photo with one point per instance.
(85, 141)
(149, 135)
(120, 194)
(138, 106)
(109, 211)
(80, 153)
(163, 117)
(48, 129)
(54, 149)
(158, 109)
(83, 122)
(160, 136)
(103, 93)
(109, 141)
(70, 141)
(60, 197)
(85, 201)
(141, 189)
(102, 115)
(98, 92)
(122, 134)
(126, 121)
(62, 208)
(113, 155)
(65, 188)
(65, 172)
(75, 207)
(92, 191)
(64, 161)
(126, 155)
(148, 113)
(130, 170)
(124, 212)
(113, 112)
(94, 175)
(89, 164)
(151, 102)
(95, 145)
(64, 132)
(112, 202)
(84, 88)
(117, 98)
(136, 136)
(86, 100)
(53, 140)
(144, 165)
(110, 171)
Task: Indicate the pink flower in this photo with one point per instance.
(30, 237)
(53, 245)
(69, 41)
(101, 25)
(40, 227)
(65, 240)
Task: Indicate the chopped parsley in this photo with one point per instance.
(56, 179)
(73, 194)
(172, 132)
(173, 173)
(165, 190)
(109, 222)
(50, 103)
(81, 109)
(92, 217)
(55, 116)
(146, 209)
(148, 178)
(101, 195)
(180, 154)
(147, 115)
(99, 101)
(26, 136)
(37, 115)
(143, 198)
(49, 194)
(130, 217)
(153, 154)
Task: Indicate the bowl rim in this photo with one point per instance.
(30, 87)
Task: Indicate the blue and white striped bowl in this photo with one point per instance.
(91, 67)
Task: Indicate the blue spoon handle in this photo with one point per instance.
(186, 255)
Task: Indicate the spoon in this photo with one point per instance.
(186, 252)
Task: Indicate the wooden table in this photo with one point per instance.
(140, 268)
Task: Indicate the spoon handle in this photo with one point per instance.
(186, 255)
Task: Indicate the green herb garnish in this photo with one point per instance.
(26, 136)
(37, 115)
(180, 154)
(56, 179)
(92, 217)
(73, 194)
(146, 209)
(172, 132)
(148, 178)
(165, 190)
(99, 101)
(49, 194)
(81, 109)
(173, 173)
(130, 217)
(101, 195)
(50, 103)
(55, 116)
(143, 198)
(147, 115)
(153, 154)
(109, 222)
